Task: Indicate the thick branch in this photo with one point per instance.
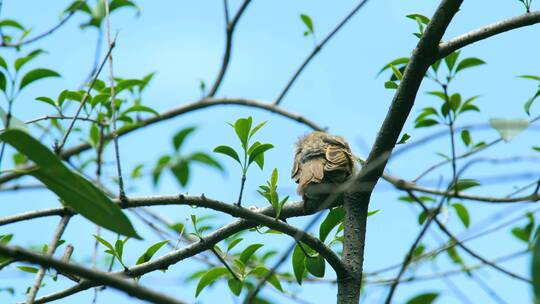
(357, 200)
(99, 277)
(487, 31)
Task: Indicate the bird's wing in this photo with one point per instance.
(295, 173)
(338, 158)
(312, 172)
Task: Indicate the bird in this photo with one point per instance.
(321, 162)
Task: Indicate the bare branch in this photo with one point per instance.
(487, 31)
(99, 277)
(50, 251)
(230, 27)
(46, 33)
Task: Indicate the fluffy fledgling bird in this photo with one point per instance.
(321, 161)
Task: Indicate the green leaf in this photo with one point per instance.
(46, 100)
(395, 62)
(425, 123)
(235, 286)
(35, 75)
(106, 244)
(149, 253)
(462, 213)
(451, 59)
(259, 150)
(3, 63)
(262, 272)
(233, 243)
(536, 148)
(403, 139)
(11, 23)
(209, 277)
(527, 106)
(19, 62)
(206, 159)
(256, 129)
(298, 258)
(180, 136)
(370, 213)
(74, 190)
(508, 128)
(425, 298)
(140, 108)
(455, 102)
(535, 268)
(28, 269)
(162, 162)
(181, 171)
(3, 82)
(242, 126)
(396, 72)
(533, 77)
(423, 19)
(464, 184)
(316, 265)
(308, 22)
(466, 137)
(469, 63)
(228, 151)
(249, 251)
(334, 218)
(390, 85)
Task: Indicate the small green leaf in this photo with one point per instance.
(46, 100)
(11, 23)
(19, 62)
(105, 243)
(298, 258)
(209, 277)
(370, 213)
(235, 286)
(233, 243)
(425, 298)
(423, 19)
(469, 63)
(242, 126)
(249, 251)
(466, 137)
(425, 123)
(451, 59)
(396, 72)
(28, 269)
(228, 151)
(180, 137)
(256, 129)
(464, 184)
(462, 213)
(536, 148)
(181, 171)
(403, 139)
(533, 77)
(535, 268)
(390, 85)
(334, 218)
(149, 253)
(140, 108)
(527, 106)
(316, 265)
(508, 128)
(259, 150)
(262, 272)
(3, 82)
(206, 159)
(308, 22)
(3, 63)
(395, 62)
(35, 75)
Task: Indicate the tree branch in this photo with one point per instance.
(316, 50)
(99, 277)
(487, 31)
(230, 26)
(357, 200)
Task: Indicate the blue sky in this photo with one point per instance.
(182, 41)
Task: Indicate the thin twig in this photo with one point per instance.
(50, 251)
(229, 31)
(316, 50)
(59, 146)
